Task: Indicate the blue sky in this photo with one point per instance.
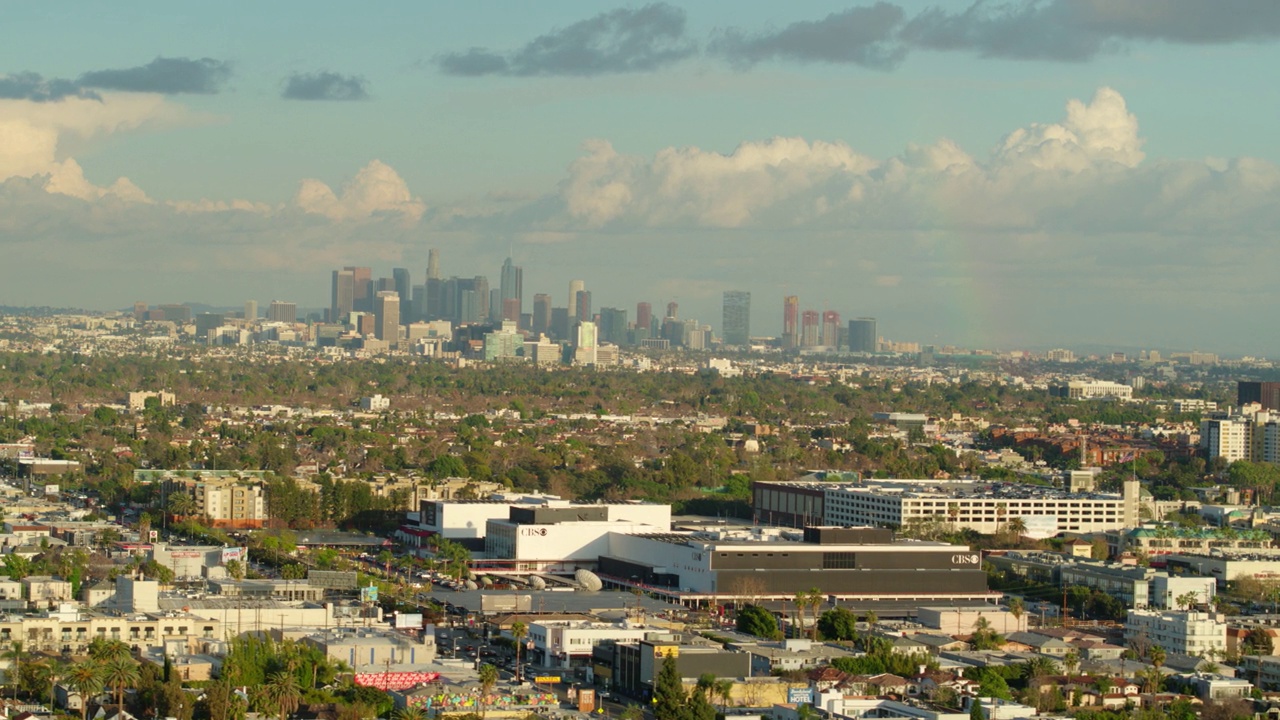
(931, 173)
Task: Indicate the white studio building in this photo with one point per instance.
(1187, 633)
(569, 643)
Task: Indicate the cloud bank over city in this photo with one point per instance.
(1010, 224)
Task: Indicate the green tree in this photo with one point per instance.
(975, 710)
(758, 621)
(15, 655)
(838, 624)
(284, 693)
(120, 673)
(488, 680)
(670, 702)
(235, 569)
(518, 631)
(86, 679)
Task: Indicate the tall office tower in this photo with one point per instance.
(434, 304)
(511, 311)
(736, 318)
(285, 312)
(495, 305)
(790, 321)
(512, 286)
(809, 328)
(417, 305)
(560, 323)
(586, 342)
(387, 316)
(139, 311)
(468, 308)
(343, 297)
(403, 286)
(384, 285)
(862, 335)
(575, 287)
(481, 286)
(613, 325)
(673, 310)
(206, 322)
(831, 329)
(1266, 394)
(644, 316)
(541, 313)
(582, 306)
(673, 332)
(250, 310)
(433, 264)
(362, 288)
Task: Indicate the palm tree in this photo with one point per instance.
(1016, 609)
(724, 690)
(283, 691)
(802, 602)
(815, 599)
(488, 679)
(1157, 657)
(14, 655)
(411, 712)
(120, 673)
(518, 631)
(105, 651)
(86, 678)
(1071, 661)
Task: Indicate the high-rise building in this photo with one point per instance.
(361, 288)
(644, 316)
(831, 329)
(417, 305)
(387, 323)
(434, 304)
(403, 286)
(285, 312)
(1266, 394)
(541, 313)
(790, 321)
(613, 325)
(495, 305)
(673, 310)
(1229, 438)
(586, 342)
(206, 322)
(582, 306)
(250, 310)
(433, 264)
(139, 311)
(809, 329)
(736, 319)
(575, 287)
(343, 296)
(176, 313)
(512, 286)
(862, 335)
(511, 310)
(560, 324)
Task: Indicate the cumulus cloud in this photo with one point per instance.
(859, 35)
(376, 190)
(325, 86)
(167, 76)
(617, 41)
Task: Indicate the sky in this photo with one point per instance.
(1013, 174)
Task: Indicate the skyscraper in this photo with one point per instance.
(582, 306)
(809, 328)
(790, 321)
(250, 310)
(575, 287)
(613, 325)
(285, 312)
(433, 264)
(644, 317)
(831, 329)
(862, 335)
(512, 286)
(736, 318)
(673, 310)
(361, 288)
(541, 313)
(403, 285)
(387, 314)
(343, 296)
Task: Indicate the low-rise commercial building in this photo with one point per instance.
(1186, 632)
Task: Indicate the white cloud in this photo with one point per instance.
(376, 189)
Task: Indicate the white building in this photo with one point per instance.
(984, 507)
(1227, 438)
(561, 643)
(573, 542)
(1188, 633)
(1091, 390)
(469, 519)
(375, 403)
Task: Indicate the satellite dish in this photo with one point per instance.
(537, 583)
(588, 580)
(471, 585)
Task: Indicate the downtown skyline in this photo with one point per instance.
(1053, 173)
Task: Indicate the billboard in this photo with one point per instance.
(505, 603)
(232, 553)
(332, 579)
(50, 489)
(409, 620)
(395, 680)
(369, 594)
